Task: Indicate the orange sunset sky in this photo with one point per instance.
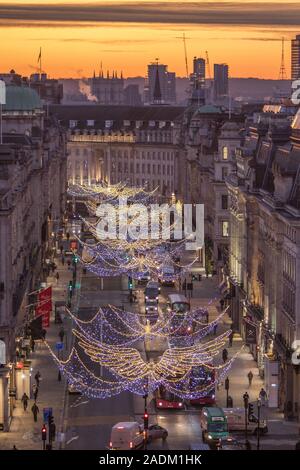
(76, 36)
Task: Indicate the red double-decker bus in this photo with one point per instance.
(167, 400)
(201, 377)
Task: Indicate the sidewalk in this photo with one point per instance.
(24, 433)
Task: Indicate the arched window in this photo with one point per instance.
(225, 153)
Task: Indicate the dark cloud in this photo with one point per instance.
(233, 13)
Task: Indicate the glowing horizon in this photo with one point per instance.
(74, 46)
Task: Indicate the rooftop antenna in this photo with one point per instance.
(282, 71)
(208, 65)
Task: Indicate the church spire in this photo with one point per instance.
(157, 98)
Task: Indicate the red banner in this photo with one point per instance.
(44, 306)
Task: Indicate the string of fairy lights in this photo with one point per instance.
(111, 338)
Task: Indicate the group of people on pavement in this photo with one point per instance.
(35, 390)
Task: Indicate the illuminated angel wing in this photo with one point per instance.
(125, 362)
(175, 363)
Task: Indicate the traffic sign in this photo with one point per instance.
(59, 346)
(46, 413)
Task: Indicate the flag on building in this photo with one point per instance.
(44, 306)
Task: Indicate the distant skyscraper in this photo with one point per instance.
(220, 80)
(295, 57)
(167, 84)
(199, 69)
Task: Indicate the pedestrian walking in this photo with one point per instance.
(37, 378)
(61, 249)
(32, 344)
(263, 396)
(230, 338)
(24, 401)
(14, 447)
(222, 303)
(247, 445)
(35, 410)
(61, 334)
(250, 377)
(215, 328)
(57, 277)
(35, 390)
(224, 355)
(44, 332)
(63, 260)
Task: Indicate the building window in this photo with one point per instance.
(224, 202)
(225, 228)
(90, 123)
(224, 172)
(72, 124)
(225, 153)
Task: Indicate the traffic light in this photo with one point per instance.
(44, 433)
(130, 283)
(75, 259)
(250, 409)
(146, 420)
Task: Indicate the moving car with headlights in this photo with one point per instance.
(167, 276)
(214, 424)
(236, 421)
(144, 277)
(167, 400)
(178, 307)
(126, 436)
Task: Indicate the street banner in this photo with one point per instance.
(44, 306)
(250, 333)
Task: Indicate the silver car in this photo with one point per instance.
(155, 431)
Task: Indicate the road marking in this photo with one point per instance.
(80, 403)
(72, 439)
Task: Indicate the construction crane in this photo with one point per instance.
(207, 64)
(184, 38)
(185, 55)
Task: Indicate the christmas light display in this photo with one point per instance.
(125, 369)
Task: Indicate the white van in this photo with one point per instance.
(126, 436)
(236, 421)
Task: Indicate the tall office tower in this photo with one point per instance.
(220, 80)
(198, 69)
(295, 58)
(158, 73)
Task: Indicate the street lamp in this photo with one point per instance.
(258, 419)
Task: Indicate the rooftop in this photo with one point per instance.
(21, 98)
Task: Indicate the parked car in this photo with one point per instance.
(155, 431)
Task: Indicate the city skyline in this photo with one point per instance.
(126, 36)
